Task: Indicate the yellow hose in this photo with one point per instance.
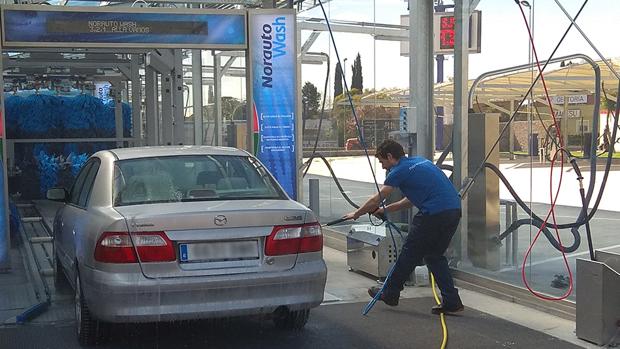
(444, 342)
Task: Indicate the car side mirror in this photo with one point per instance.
(57, 194)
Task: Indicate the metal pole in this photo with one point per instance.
(508, 220)
(197, 96)
(5, 236)
(439, 59)
(136, 100)
(217, 76)
(118, 113)
(314, 198)
(167, 114)
(564, 127)
(421, 74)
(151, 104)
(460, 141)
(298, 131)
(511, 134)
(178, 102)
(515, 236)
(249, 96)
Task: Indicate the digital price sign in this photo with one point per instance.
(446, 32)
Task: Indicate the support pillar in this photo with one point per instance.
(483, 198)
(459, 148)
(421, 65)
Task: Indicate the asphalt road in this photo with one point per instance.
(410, 325)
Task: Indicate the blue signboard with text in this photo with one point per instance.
(27, 26)
(274, 86)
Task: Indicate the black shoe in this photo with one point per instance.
(387, 299)
(439, 309)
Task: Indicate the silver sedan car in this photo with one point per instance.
(184, 232)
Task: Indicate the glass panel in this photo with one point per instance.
(191, 178)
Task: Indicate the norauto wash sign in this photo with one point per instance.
(274, 86)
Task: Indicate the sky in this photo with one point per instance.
(504, 37)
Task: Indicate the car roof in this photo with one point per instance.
(175, 150)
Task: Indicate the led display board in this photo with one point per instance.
(55, 26)
(444, 26)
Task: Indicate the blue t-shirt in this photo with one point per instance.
(424, 184)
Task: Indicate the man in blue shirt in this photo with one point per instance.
(425, 186)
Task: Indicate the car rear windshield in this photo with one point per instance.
(191, 178)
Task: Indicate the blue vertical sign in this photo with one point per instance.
(274, 87)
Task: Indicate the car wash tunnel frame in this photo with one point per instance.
(117, 43)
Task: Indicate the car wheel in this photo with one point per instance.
(291, 320)
(89, 330)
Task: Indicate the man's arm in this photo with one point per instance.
(371, 204)
(399, 205)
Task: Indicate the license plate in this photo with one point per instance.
(219, 251)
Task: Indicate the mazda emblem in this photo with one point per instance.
(220, 220)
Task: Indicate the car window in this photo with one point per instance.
(79, 182)
(88, 184)
(191, 178)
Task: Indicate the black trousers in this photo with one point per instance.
(427, 241)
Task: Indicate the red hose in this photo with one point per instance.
(552, 197)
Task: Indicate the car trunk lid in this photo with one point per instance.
(215, 237)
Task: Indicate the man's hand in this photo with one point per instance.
(351, 215)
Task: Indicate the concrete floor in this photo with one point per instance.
(338, 323)
(351, 287)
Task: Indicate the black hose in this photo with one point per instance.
(331, 171)
(580, 221)
(318, 132)
(533, 220)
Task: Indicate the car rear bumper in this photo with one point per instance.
(116, 297)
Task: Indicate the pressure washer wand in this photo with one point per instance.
(381, 216)
(339, 220)
(573, 162)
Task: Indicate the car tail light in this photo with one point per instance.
(293, 239)
(117, 247)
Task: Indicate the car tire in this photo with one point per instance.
(89, 330)
(291, 320)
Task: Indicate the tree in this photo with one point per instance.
(357, 81)
(233, 109)
(338, 81)
(312, 97)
